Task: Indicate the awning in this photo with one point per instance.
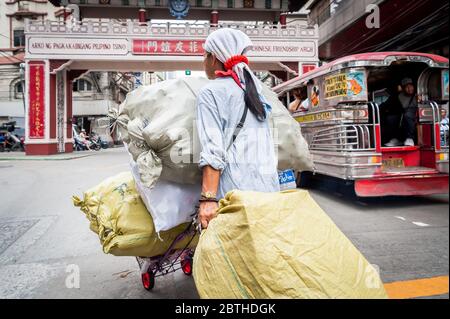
(12, 108)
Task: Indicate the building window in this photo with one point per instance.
(23, 6)
(82, 86)
(19, 38)
(157, 2)
(334, 5)
(249, 3)
(125, 2)
(328, 10)
(230, 3)
(268, 4)
(199, 3)
(19, 90)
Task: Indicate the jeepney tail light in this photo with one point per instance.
(375, 160)
(364, 113)
(354, 114)
(441, 157)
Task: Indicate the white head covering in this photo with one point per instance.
(225, 43)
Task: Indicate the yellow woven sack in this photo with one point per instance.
(279, 245)
(119, 217)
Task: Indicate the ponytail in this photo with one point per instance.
(251, 97)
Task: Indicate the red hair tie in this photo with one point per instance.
(235, 60)
(229, 67)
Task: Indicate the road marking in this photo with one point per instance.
(425, 287)
(400, 217)
(420, 224)
(13, 253)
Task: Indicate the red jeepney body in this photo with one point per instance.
(343, 124)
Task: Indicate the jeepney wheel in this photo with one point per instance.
(148, 280)
(186, 265)
(304, 179)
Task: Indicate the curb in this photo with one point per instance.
(28, 158)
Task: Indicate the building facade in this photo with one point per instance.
(227, 10)
(12, 43)
(94, 93)
(356, 26)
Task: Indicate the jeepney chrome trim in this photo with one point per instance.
(352, 165)
(345, 154)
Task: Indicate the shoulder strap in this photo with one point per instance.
(239, 126)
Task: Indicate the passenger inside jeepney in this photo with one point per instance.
(399, 116)
(301, 102)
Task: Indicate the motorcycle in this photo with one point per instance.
(95, 141)
(2, 143)
(12, 143)
(78, 145)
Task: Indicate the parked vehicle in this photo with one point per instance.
(2, 142)
(95, 141)
(78, 144)
(12, 137)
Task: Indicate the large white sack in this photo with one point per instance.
(170, 204)
(160, 123)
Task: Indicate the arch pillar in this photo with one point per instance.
(48, 111)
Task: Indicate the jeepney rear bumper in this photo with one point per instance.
(402, 185)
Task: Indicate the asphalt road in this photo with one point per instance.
(44, 238)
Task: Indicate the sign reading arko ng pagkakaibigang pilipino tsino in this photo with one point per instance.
(77, 46)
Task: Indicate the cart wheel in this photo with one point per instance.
(148, 280)
(186, 266)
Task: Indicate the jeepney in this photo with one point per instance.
(344, 130)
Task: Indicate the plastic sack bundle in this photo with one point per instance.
(163, 117)
(291, 147)
(158, 123)
(279, 245)
(125, 228)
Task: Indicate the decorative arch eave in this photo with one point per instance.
(56, 3)
(280, 75)
(74, 75)
(59, 65)
(289, 67)
(25, 14)
(35, 1)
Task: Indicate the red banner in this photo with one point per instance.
(308, 67)
(168, 47)
(36, 110)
